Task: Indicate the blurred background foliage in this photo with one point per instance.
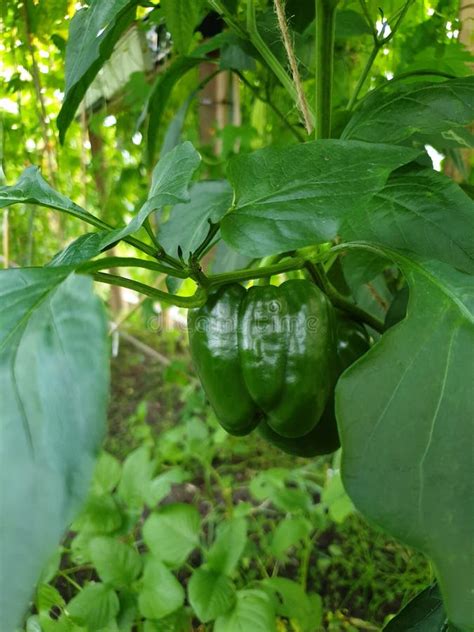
(361, 576)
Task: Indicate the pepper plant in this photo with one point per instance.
(351, 198)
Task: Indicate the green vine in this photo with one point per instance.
(325, 29)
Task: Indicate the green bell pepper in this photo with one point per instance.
(266, 353)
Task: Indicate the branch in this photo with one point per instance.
(358, 314)
(197, 300)
(129, 262)
(247, 274)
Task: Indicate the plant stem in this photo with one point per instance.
(340, 301)
(247, 274)
(265, 263)
(147, 226)
(206, 282)
(171, 261)
(197, 300)
(325, 29)
(379, 42)
(129, 262)
(70, 580)
(363, 76)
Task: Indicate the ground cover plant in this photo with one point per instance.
(327, 269)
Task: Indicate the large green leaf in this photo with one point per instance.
(93, 33)
(297, 196)
(53, 390)
(31, 188)
(189, 223)
(402, 111)
(405, 412)
(284, 200)
(423, 212)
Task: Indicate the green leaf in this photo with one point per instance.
(188, 224)
(272, 485)
(172, 533)
(137, 473)
(289, 532)
(93, 33)
(298, 196)
(423, 212)
(181, 18)
(175, 128)
(170, 181)
(82, 249)
(253, 611)
(293, 603)
(54, 401)
(336, 500)
(127, 615)
(48, 597)
(31, 188)
(162, 594)
(94, 607)
(424, 613)
(210, 594)
(179, 621)
(117, 563)
(401, 112)
(169, 185)
(100, 514)
(106, 474)
(405, 414)
(161, 486)
(227, 548)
